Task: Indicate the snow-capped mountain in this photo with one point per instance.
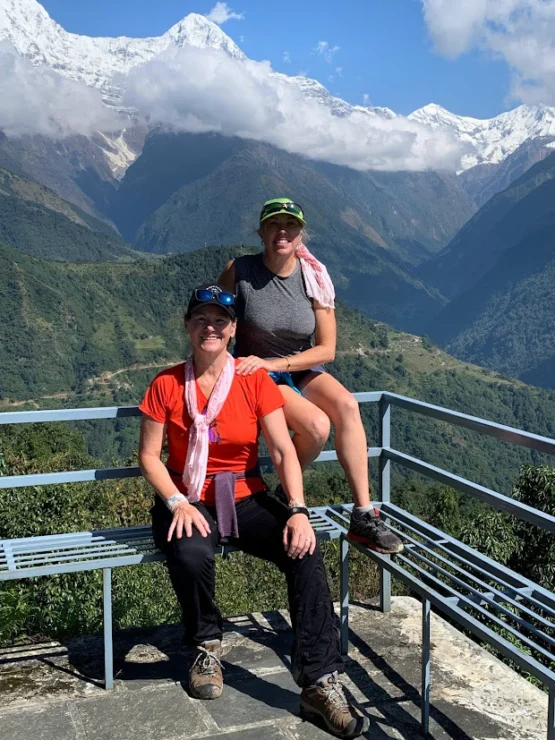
(99, 61)
(493, 139)
(104, 62)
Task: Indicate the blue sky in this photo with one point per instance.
(384, 49)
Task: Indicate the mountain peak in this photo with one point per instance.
(96, 61)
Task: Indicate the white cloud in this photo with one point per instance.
(196, 90)
(287, 57)
(37, 100)
(366, 99)
(221, 12)
(325, 50)
(520, 32)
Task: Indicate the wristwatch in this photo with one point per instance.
(298, 510)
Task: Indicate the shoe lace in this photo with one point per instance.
(375, 521)
(335, 693)
(206, 660)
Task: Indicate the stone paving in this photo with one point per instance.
(54, 690)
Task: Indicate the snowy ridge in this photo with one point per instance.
(97, 61)
(103, 63)
(493, 138)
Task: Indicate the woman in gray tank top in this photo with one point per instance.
(286, 325)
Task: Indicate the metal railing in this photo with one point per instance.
(451, 603)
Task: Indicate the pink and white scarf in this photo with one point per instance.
(194, 472)
(316, 277)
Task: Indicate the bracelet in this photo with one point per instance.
(288, 363)
(298, 510)
(296, 502)
(172, 501)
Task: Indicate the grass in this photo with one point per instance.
(154, 342)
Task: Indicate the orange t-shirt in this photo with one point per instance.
(233, 435)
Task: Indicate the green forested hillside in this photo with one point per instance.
(507, 320)
(506, 220)
(95, 334)
(36, 221)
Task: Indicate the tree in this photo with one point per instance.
(535, 558)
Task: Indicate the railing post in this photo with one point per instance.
(108, 646)
(425, 690)
(344, 596)
(384, 488)
(551, 716)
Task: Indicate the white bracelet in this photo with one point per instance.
(172, 501)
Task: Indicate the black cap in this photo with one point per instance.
(211, 294)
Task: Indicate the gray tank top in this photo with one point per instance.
(275, 315)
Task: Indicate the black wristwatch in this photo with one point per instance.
(298, 510)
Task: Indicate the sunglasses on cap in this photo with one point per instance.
(280, 207)
(209, 294)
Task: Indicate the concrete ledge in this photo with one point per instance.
(55, 690)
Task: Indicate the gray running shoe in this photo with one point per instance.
(370, 530)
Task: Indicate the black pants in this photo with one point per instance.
(261, 519)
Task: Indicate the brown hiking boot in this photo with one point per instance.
(325, 703)
(205, 676)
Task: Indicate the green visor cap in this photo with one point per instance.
(282, 205)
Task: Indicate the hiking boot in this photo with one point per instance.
(326, 704)
(368, 528)
(205, 676)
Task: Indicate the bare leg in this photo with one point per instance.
(310, 425)
(350, 438)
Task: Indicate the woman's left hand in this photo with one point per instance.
(298, 536)
(249, 365)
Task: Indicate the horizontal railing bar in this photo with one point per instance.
(472, 605)
(482, 426)
(96, 474)
(494, 499)
(496, 594)
(466, 620)
(84, 414)
(72, 476)
(110, 412)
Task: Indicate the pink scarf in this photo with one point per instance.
(316, 277)
(194, 472)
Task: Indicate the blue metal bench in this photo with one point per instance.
(469, 588)
(29, 557)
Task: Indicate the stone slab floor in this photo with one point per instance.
(54, 691)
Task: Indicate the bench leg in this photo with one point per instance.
(551, 716)
(425, 691)
(344, 596)
(108, 646)
(385, 588)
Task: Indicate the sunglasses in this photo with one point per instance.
(294, 208)
(208, 294)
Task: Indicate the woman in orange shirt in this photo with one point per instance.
(210, 490)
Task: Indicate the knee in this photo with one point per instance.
(318, 427)
(348, 408)
(191, 557)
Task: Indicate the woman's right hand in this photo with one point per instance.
(185, 517)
